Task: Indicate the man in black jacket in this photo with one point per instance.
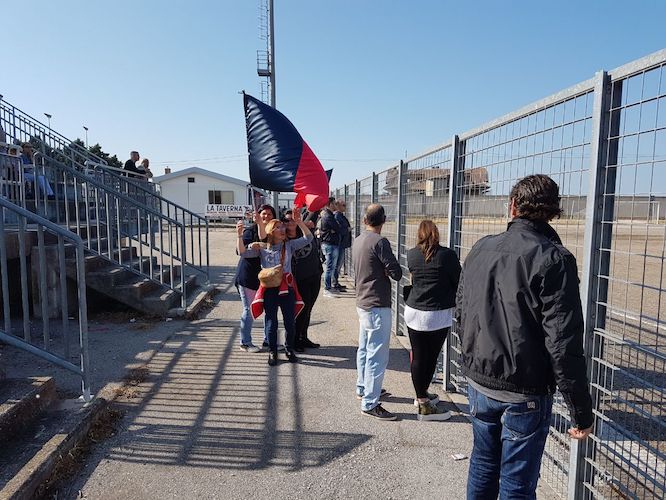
(345, 242)
(130, 165)
(520, 323)
(329, 236)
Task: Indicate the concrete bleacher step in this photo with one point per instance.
(20, 401)
(36, 430)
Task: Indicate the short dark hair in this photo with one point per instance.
(375, 215)
(536, 197)
(266, 206)
(331, 200)
(285, 213)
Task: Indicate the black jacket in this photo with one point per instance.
(434, 283)
(130, 168)
(520, 319)
(345, 229)
(329, 229)
(247, 272)
(306, 263)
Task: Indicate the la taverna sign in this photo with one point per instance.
(227, 211)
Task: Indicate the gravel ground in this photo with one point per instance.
(210, 421)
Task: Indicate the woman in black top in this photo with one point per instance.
(307, 270)
(429, 312)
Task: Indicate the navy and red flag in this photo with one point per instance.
(280, 160)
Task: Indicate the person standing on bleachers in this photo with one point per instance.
(130, 165)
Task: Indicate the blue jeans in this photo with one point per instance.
(338, 265)
(509, 439)
(287, 303)
(331, 256)
(246, 320)
(372, 357)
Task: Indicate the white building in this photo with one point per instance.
(194, 188)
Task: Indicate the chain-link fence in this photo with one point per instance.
(604, 142)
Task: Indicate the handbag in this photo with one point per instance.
(271, 277)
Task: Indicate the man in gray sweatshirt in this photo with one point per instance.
(374, 263)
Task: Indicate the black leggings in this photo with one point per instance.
(309, 290)
(426, 347)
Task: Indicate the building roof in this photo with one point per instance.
(201, 171)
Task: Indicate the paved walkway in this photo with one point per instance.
(211, 421)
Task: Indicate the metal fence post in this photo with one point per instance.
(400, 232)
(452, 228)
(375, 188)
(593, 289)
(357, 208)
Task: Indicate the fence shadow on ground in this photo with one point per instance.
(204, 403)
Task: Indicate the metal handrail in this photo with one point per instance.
(119, 216)
(122, 183)
(24, 217)
(46, 130)
(116, 170)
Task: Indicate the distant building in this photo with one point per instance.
(194, 188)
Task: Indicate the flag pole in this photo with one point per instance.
(254, 199)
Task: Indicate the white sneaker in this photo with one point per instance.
(250, 348)
(434, 399)
(330, 295)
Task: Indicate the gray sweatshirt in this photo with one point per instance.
(374, 263)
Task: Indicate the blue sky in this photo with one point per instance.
(363, 81)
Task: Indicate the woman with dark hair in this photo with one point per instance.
(307, 270)
(247, 272)
(278, 251)
(429, 312)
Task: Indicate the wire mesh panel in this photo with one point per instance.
(365, 193)
(426, 196)
(627, 457)
(387, 195)
(553, 140)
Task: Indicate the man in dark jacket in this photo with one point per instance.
(345, 242)
(130, 165)
(520, 323)
(329, 236)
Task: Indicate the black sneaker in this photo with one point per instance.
(272, 358)
(340, 288)
(264, 344)
(310, 345)
(291, 355)
(380, 413)
(299, 348)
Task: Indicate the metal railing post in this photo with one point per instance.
(83, 322)
(400, 232)
(357, 208)
(375, 188)
(183, 256)
(593, 289)
(452, 232)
